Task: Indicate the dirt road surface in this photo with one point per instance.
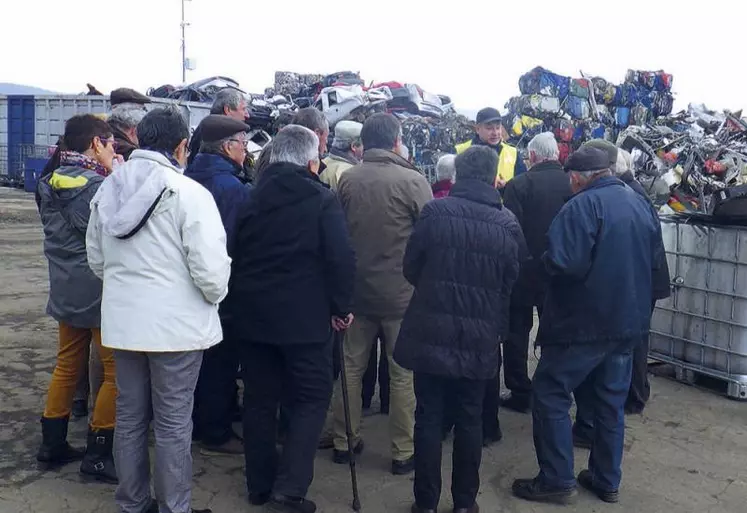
(686, 454)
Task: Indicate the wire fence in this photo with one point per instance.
(13, 161)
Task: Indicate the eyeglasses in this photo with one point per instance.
(243, 142)
(107, 142)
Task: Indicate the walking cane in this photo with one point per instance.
(348, 428)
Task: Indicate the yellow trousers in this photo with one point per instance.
(71, 362)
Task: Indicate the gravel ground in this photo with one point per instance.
(686, 453)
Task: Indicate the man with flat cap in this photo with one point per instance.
(220, 157)
(128, 110)
(228, 102)
(583, 427)
(609, 148)
(489, 132)
(603, 248)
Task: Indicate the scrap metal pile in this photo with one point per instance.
(428, 139)
(431, 127)
(579, 109)
(687, 158)
(684, 160)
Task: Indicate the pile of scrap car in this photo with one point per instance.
(689, 161)
(431, 126)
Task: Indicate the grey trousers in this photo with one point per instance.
(163, 383)
(90, 381)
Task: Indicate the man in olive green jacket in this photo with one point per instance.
(382, 199)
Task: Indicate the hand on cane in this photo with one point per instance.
(340, 323)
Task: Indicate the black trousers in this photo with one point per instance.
(376, 366)
(640, 388)
(216, 393)
(491, 426)
(516, 349)
(301, 376)
(464, 398)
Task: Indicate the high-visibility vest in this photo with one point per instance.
(506, 160)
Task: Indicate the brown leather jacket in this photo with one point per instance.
(382, 198)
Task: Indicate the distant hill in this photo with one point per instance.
(10, 89)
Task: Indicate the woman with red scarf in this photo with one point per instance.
(86, 157)
(445, 173)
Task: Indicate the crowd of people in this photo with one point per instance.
(171, 278)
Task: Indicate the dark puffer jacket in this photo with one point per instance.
(463, 259)
(293, 264)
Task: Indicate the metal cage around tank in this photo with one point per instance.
(702, 326)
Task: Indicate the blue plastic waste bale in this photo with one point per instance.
(622, 116)
(627, 95)
(544, 82)
(597, 131)
(646, 98)
(552, 84)
(577, 108)
(579, 133)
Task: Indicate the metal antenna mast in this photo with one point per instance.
(184, 45)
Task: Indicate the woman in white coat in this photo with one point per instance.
(156, 240)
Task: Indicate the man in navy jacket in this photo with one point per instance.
(603, 248)
(220, 158)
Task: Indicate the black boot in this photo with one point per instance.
(55, 451)
(98, 463)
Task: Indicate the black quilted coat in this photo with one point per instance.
(463, 260)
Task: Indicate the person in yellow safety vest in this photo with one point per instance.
(488, 132)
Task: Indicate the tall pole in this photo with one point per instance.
(184, 48)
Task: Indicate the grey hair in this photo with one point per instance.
(216, 147)
(624, 162)
(446, 168)
(295, 144)
(128, 114)
(311, 118)
(590, 176)
(228, 97)
(544, 146)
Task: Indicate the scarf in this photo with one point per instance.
(75, 159)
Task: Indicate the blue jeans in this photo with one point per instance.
(561, 370)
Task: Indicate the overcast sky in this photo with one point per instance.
(473, 51)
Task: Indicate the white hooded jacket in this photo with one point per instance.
(156, 239)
